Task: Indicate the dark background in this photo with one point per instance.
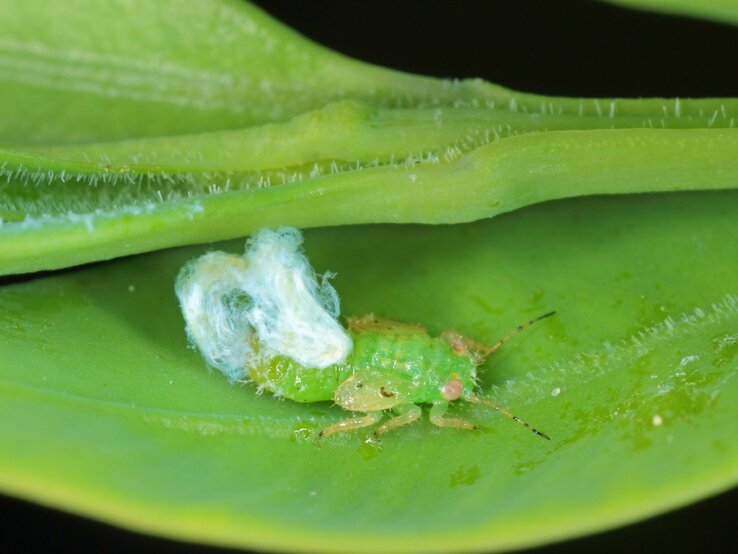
(556, 47)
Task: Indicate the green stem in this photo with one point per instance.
(493, 179)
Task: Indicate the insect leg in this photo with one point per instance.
(436, 417)
(410, 413)
(352, 423)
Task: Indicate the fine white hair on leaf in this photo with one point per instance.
(241, 311)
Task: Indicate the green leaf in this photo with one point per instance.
(106, 412)
(724, 11)
(187, 124)
(128, 126)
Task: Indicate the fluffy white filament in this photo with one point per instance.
(241, 311)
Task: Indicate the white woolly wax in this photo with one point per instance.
(241, 311)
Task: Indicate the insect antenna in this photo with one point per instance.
(489, 350)
(477, 400)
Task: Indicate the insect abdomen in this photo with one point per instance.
(429, 361)
(287, 378)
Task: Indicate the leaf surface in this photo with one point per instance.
(128, 126)
(106, 412)
(724, 11)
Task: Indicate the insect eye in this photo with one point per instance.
(452, 390)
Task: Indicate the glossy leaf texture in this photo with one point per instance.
(106, 412)
(129, 126)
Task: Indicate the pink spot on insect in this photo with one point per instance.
(452, 390)
(460, 347)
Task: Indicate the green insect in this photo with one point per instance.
(265, 317)
(394, 366)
